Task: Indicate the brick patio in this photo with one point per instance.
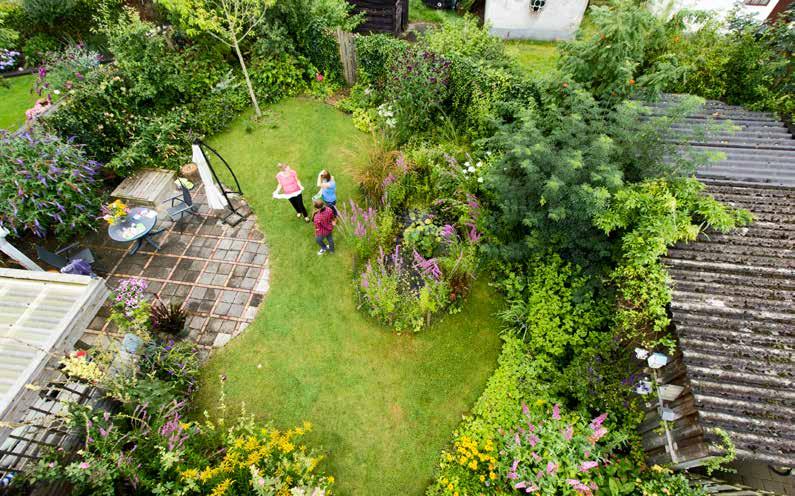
(218, 272)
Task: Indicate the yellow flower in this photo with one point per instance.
(331, 479)
(473, 465)
(492, 475)
(221, 488)
(482, 478)
(190, 473)
(450, 487)
(206, 474)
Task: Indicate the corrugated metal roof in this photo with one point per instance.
(757, 147)
(733, 293)
(40, 313)
(733, 312)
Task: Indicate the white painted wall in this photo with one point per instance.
(513, 19)
(720, 7)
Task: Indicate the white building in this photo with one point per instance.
(760, 9)
(535, 19)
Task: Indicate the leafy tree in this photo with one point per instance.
(555, 172)
(627, 52)
(228, 21)
(561, 161)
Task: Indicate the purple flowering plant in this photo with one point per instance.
(359, 225)
(417, 87)
(556, 453)
(48, 186)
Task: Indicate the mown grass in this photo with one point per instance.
(535, 56)
(15, 99)
(382, 405)
(419, 12)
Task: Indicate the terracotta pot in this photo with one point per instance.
(190, 171)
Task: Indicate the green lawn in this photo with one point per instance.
(15, 100)
(538, 56)
(419, 12)
(383, 405)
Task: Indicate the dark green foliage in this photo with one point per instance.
(375, 54)
(36, 48)
(168, 318)
(751, 64)
(560, 162)
(555, 172)
(146, 108)
(417, 89)
(310, 25)
(64, 20)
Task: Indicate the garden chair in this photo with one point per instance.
(61, 258)
(181, 204)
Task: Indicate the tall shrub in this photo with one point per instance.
(626, 53)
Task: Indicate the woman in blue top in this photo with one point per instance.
(328, 190)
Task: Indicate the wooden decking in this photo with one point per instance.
(147, 187)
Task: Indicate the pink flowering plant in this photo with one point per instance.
(360, 227)
(131, 311)
(559, 454)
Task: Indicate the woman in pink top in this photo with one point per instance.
(290, 188)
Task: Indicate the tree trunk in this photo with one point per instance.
(245, 74)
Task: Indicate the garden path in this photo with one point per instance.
(219, 272)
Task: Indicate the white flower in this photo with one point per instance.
(641, 354)
(488, 153)
(464, 171)
(467, 164)
(471, 169)
(368, 90)
(479, 164)
(480, 179)
(57, 92)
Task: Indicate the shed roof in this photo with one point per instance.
(40, 313)
(732, 305)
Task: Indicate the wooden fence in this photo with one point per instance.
(347, 48)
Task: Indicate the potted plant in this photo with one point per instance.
(169, 318)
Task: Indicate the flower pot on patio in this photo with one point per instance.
(190, 171)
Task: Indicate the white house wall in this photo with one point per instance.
(720, 7)
(513, 19)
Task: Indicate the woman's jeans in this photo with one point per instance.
(324, 246)
(333, 207)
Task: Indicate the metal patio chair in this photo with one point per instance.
(64, 256)
(181, 204)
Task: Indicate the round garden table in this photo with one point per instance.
(137, 226)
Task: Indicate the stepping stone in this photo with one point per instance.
(221, 339)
